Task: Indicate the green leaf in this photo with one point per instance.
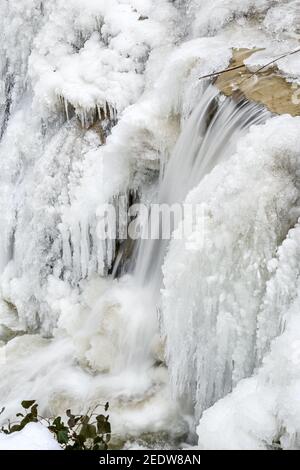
(71, 422)
(88, 431)
(106, 406)
(100, 418)
(103, 426)
(73, 419)
(57, 421)
(27, 419)
(63, 436)
(59, 424)
(27, 403)
(91, 431)
(15, 428)
(34, 410)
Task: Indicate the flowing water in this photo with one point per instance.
(208, 137)
(89, 112)
(121, 333)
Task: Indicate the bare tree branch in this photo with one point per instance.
(222, 71)
(242, 66)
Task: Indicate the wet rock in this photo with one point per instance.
(267, 86)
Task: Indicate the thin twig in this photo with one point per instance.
(257, 71)
(222, 71)
(275, 60)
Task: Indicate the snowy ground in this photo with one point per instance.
(33, 437)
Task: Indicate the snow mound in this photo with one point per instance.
(34, 436)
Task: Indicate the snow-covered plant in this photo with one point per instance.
(90, 431)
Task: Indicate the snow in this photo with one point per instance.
(90, 56)
(265, 407)
(243, 420)
(289, 65)
(125, 73)
(208, 17)
(283, 18)
(34, 436)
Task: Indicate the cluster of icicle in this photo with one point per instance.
(85, 250)
(89, 117)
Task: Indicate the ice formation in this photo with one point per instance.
(249, 204)
(94, 96)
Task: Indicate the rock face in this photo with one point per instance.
(266, 86)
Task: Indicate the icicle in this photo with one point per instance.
(84, 247)
(92, 268)
(66, 108)
(67, 255)
(115, 116)
(98, 112)
(122, 216)
(75, 238)
(102, 113)
(108, 111)
(82, 118)
(101, 249)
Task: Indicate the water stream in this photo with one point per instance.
(209, 137)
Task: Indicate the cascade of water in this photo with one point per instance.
(209, 137)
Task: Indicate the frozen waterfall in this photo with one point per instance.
(209, 137)
(193, 336)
